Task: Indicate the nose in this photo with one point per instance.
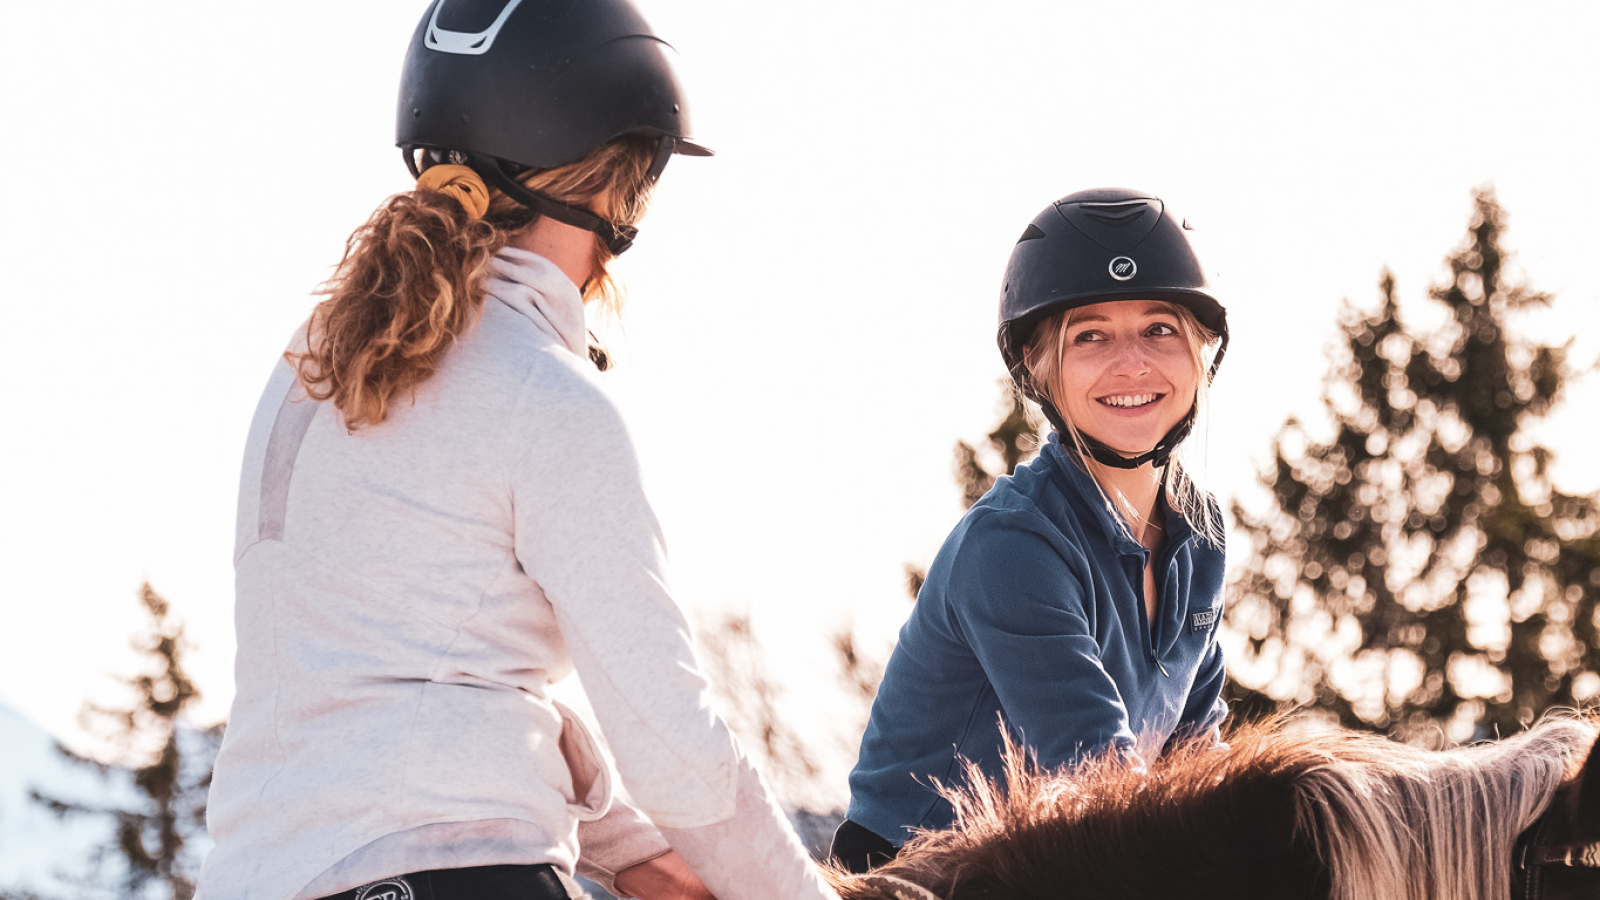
(1131, 358)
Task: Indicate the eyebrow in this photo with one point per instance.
(1148, 312)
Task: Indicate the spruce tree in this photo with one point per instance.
(750, 698)
(1418, 572)
(1014, 441)
(170, 767)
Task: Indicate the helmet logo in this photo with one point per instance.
(1123, 268)
(464, 42)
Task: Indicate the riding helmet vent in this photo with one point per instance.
(1033, 233)
(466, 36)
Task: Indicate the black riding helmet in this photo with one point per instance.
(1091, 247)
(504, 86)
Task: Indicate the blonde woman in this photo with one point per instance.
(441, 514)
(1074, 608)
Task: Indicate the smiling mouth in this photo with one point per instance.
(1130, 401)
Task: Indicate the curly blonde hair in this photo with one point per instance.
(411, 278)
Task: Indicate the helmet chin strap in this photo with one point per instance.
(1103, 454)
(617, 238)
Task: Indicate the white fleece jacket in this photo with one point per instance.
(405, 595)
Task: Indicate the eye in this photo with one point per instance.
(1088, 335)
(1161, 329)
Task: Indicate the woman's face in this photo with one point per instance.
(1127, 375)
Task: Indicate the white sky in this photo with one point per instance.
(811, 312)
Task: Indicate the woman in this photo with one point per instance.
(1074, 607)
(441, 514)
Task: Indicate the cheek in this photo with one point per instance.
(1179, 371)
(1071, 389)
(1078, 372)
(1185, 387)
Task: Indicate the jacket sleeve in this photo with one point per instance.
(1205, 710)
(585, 532)
(1018, 605)
(624, 837)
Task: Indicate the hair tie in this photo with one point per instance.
(460, 182)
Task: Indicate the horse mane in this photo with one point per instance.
(1302, 811)
(1393, 820)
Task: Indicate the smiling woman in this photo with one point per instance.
(1075, 606)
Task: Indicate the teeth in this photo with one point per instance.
(1129, 400)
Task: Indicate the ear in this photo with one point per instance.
(1586, 812)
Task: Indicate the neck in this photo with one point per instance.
(1134, 493)
(571, 249)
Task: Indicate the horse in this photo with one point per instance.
(1278, 811)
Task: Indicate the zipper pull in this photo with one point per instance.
(1160, 666)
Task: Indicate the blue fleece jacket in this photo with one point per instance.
(1032, 616)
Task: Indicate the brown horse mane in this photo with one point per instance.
(1295, 809)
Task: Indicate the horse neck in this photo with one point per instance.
(1402, 823)
(1203, 827)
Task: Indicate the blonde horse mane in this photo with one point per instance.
(1399, 822)
(1385, 819)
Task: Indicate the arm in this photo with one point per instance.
(1022, 609)
(665, 877)
(753, 853)
(618, 843)
(1205, 710)
(585, 532)
(1203, 714)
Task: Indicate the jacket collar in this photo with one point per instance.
(536, 289)
(1084, 494)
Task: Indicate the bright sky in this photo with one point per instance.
(811, 314)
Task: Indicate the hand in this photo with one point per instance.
(667, 877)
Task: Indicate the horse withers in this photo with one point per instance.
(1281, 812)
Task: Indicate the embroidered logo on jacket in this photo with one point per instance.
(388, 889)
(1200, 621)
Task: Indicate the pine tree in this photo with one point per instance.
(1419, 573)
(171, 768)
(750, 698)
(750, 701)
(1014, 441)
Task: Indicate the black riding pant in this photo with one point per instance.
(541, 882)
(860, 850)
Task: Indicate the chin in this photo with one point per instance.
(1127, 447)
(1133, 441)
